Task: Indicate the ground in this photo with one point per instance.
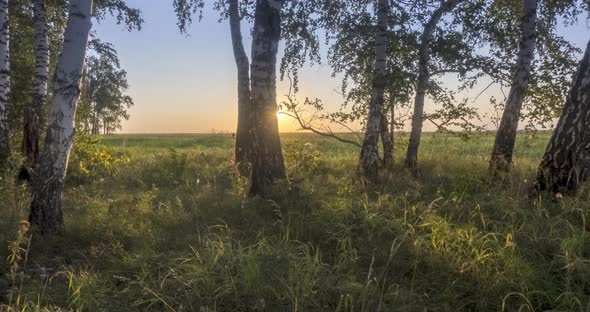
(163, 223)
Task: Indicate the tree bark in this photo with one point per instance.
(392, 126)
(48, 182)
(95, 122)
(566, 162)
(242, 148)
(423, 80)
(389, 143)
(386, 141)
(369, 155)
(4, 84)
(33, 114)
(501, 159)
(267, 156)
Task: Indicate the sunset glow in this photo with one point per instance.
(195, 86)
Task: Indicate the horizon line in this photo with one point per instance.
(288, 132)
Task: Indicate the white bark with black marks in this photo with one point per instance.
(33, 113)
(386, 141)
(242, 148)
(388, 131)
(369, 156)
(267, 156)
(506, 136)
(566, 163)
(423, 80)
(4, 84)
(48, 180)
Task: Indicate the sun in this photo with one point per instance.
(280, 116)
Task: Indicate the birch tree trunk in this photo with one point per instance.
(501, 159)
(4, 84)
(423, 80)
(566, 162)
(267, 155)
(386, 141)
(369, 155)
(392, 126)
(242, 148)
(33, 114)
(95, 122)
(48, 182)
(389, 144)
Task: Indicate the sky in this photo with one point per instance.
(187, 84)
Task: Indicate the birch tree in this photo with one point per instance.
(242, 146)
(423, 80)
(300, 42)
(185, 10)
(369, 155)
(34, 113)
(566, 162)
(386, 131)
(267, 156)
(506, 34)
(104, 101)
(48, 181)
(270, 18)
(350, 30)
(35, 48)
(4, 84)
(506, 136)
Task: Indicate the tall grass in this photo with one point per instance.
(172, 229)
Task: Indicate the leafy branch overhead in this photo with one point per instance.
(129, 17)
(185, 10)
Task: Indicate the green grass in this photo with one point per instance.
(165, 225)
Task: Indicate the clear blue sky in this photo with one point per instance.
(186, 84)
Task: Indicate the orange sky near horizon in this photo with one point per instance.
(187, 84)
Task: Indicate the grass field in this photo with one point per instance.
(163, 223)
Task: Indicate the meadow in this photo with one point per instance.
(164, 223)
